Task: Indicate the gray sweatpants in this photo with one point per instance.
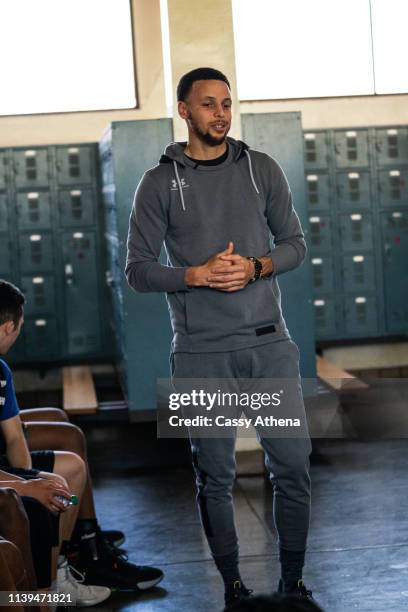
(287, 459)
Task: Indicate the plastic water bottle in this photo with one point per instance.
(67, 502)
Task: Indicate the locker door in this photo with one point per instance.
(5, 268)
(40, 294)
(74, 165)
(392, 146)
(318, 191)
(322, 274)
(358, 272)
(320, 233)
(356, 232)
(395, 244)
(361, 315)
(3, 170)
(36, 252)
(31, 168)
(351, 147)
(81, 290)
(76, 207)
(316, 150)
(3, 213)
(393, 187)
(325, 318)
(33, 210)
(41, 338)
(353, 189)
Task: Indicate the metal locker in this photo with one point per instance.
(3, 170)
(351, 148)
(320, 233)
(356, 232)
(33, 210)
(395, 245)
(31, 168)
(359, 272)
(5, 268)
(353, 189)
(325, 317)
(361, 315)
(316, 150)
(391, 145)
(75, 165)
(393, 187)
(322, 274)
(76, 207)
(81, 288)
(40, 294)
(36, 252)
(41, 338)
(318, 191)
(3, 212)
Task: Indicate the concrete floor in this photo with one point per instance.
(358, 547)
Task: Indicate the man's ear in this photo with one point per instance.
(182, 109)
(8, 328)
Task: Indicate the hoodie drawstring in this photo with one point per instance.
(179, 185)
(250, 171)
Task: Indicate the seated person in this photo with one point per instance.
(30, 474)
(100, 563)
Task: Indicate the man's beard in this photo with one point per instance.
(206, 137)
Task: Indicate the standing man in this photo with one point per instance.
(215, 205)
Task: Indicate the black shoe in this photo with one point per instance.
(102, 565)
(237, 592)
(298, 591)
(114, 536)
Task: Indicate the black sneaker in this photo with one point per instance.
(102, 565)
(237, 592)
(114, 536)
(299, 590)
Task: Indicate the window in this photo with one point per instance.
(390, 45)
(65, 56)
(319, 48)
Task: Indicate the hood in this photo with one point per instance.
(174, 152)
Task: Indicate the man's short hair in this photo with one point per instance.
(11, 303)
(198, 74)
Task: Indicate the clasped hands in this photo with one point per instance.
(224, 271)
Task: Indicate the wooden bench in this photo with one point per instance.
(337, 378)
(79, 395)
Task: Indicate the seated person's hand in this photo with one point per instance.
(45, 491)
(59, 480)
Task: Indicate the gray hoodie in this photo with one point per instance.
(196, 210)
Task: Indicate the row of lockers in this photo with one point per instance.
(356, 232)
(349, 148)
(25, 168)
(29, 210)
(357, 189)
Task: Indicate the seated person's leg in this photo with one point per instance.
(44, 414)
(71, 468)
(99, 561)
(69, 437)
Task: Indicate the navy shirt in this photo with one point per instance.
(8, 401)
